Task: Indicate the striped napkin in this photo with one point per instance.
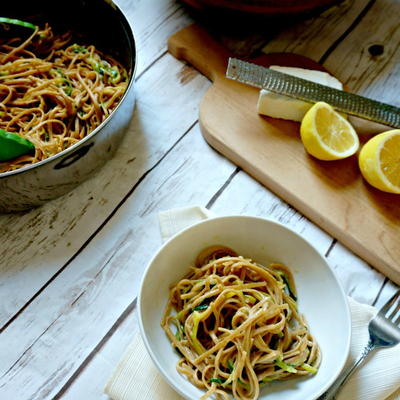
(136, 377)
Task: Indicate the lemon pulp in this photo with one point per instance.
(326, 134)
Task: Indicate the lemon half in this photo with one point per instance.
(326, 134)
(379, 161)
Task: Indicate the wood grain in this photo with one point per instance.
(70, 270)
(58, 230)
(316, 36)
(333, 195)
(105, 279)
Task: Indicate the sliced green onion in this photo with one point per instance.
(201, 307)
(231, 367)
(68, 89)
(266, 380)
(79, 49)
(245, 385)
(286, 367)
(12, 21)
(309, 368)
(291, 294)
(217, 380)
(249, 299)
(193, 335)
(104, 69)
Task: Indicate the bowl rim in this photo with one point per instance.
(133, 56)
(343, 296)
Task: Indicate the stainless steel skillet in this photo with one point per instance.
(102, 23)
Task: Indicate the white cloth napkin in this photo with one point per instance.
(136, 378)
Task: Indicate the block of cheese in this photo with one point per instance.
(279, 106)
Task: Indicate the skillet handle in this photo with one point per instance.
(74, 157)
(194, 45)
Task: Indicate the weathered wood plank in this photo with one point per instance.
(90, 383)
(50, 231)
(35, 245)
(153, 21)
(358, 279)
(26, 239)
(97, 286)
(354, 62)
(375, 76)
(388, 291)
(313, 37)
(245, 196)
(254, 200)
(65, 323)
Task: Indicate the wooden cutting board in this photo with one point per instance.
(331, 193)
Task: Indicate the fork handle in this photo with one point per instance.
(331, 393)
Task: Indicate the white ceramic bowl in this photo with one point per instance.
(320, 297)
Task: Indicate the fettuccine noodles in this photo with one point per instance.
(237, 327)
(54, 92)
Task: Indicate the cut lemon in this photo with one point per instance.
(326, 134)
(379, 161)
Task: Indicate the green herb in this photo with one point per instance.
(231, 367)
(103, 69)
(46, 137)
(66, 81)
(114, 73)
(79, 49)
(13, 145)
(200, 307)
(217, 380)
(309, 368)
(12, 21)
(286, 367)
(199, 348)
(179, 330)
(245, 385)
(266, 380)
(290, 292)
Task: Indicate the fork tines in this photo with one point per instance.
(394, 302)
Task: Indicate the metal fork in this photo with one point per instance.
(384, 331)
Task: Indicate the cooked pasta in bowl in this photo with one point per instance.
(237, 308)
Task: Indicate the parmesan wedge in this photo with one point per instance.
(284, 107)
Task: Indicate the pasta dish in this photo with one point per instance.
(236, 326)
(53, 91)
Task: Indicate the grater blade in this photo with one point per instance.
(288, 85)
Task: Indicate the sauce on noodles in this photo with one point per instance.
(237, 327)
(54, 92)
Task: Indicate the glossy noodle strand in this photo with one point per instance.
(236, 326)
(54, 92)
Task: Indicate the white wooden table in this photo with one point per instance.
(70, 270)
